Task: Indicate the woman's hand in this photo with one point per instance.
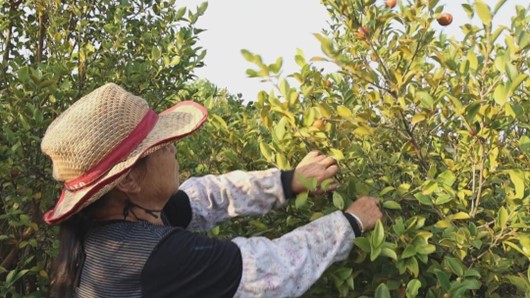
(367, 211)
(315, 165)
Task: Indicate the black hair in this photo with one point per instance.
(66, 268)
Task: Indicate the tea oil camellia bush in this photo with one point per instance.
(437, 128)
(53, 52)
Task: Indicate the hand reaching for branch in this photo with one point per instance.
(367, 211)
(315, 165)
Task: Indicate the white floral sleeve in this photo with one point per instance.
(214, 199)
(289, 265)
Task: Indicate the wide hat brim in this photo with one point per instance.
(172, 124)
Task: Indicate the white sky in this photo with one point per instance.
(276, 28)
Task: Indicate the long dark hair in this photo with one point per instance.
(69, 261)
(66, 269)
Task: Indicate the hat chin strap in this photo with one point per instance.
(130, 205)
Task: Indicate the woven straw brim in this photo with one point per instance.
(173, 124)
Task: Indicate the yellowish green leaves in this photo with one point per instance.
(458, 216)
(418, 118)
(344, 112)
(484, 12)
(423, 199)
(155, 53)
(301, 200)
(413, 287)
(524, 143)
(391, 205)
(378, 235)
(382, 291)
(425, 99)
(454, 265)
(442, 199)
(500, 95)
(266, 151)
(336, 154)
(363, 130)
(502, 218)
(517, 177)
(338, 201)
(447, 177)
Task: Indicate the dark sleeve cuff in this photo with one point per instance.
(354, 224)
(287, 184)
(178, 210)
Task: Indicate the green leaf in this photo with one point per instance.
(390, 253)
(524, 240)
(447, 177)
(500, 94)
(344, 112)
(382, 291)
(284, 88)
(374, 253)
(524, 143)
(442, 224)
(425, 99)
(386, 190)
(362, 243)
(412, 266)
(282, 162)
(343, 273)
(378, 235)
(443, 279)
(483, 12)
(459, 215)
(517, 177)
(425, 249)
(445, 198)
(412, 288)
(514, 246)
(265, 151)
(418, 118)
(363, 131)
(279, 129)
(338, 201)
(455, 265)
(502, 217)
(472, 273)
(458, 289)
(391, 205)
(301, 200)
(336, 154)
(423, 199)
(409, 251)
(472, 111)
(248, 55)
(517, 82)
(473, 61)
(155, 53)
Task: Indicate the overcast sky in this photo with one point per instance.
(276, 28)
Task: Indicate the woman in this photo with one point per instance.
(126, 224)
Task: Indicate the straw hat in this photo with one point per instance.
(95, 142)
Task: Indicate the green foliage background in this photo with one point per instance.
(435, 127)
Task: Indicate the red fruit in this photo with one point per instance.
(445, 19)
(390, 3)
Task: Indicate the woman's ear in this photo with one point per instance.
(130, 184)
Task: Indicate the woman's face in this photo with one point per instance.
(161, 179)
